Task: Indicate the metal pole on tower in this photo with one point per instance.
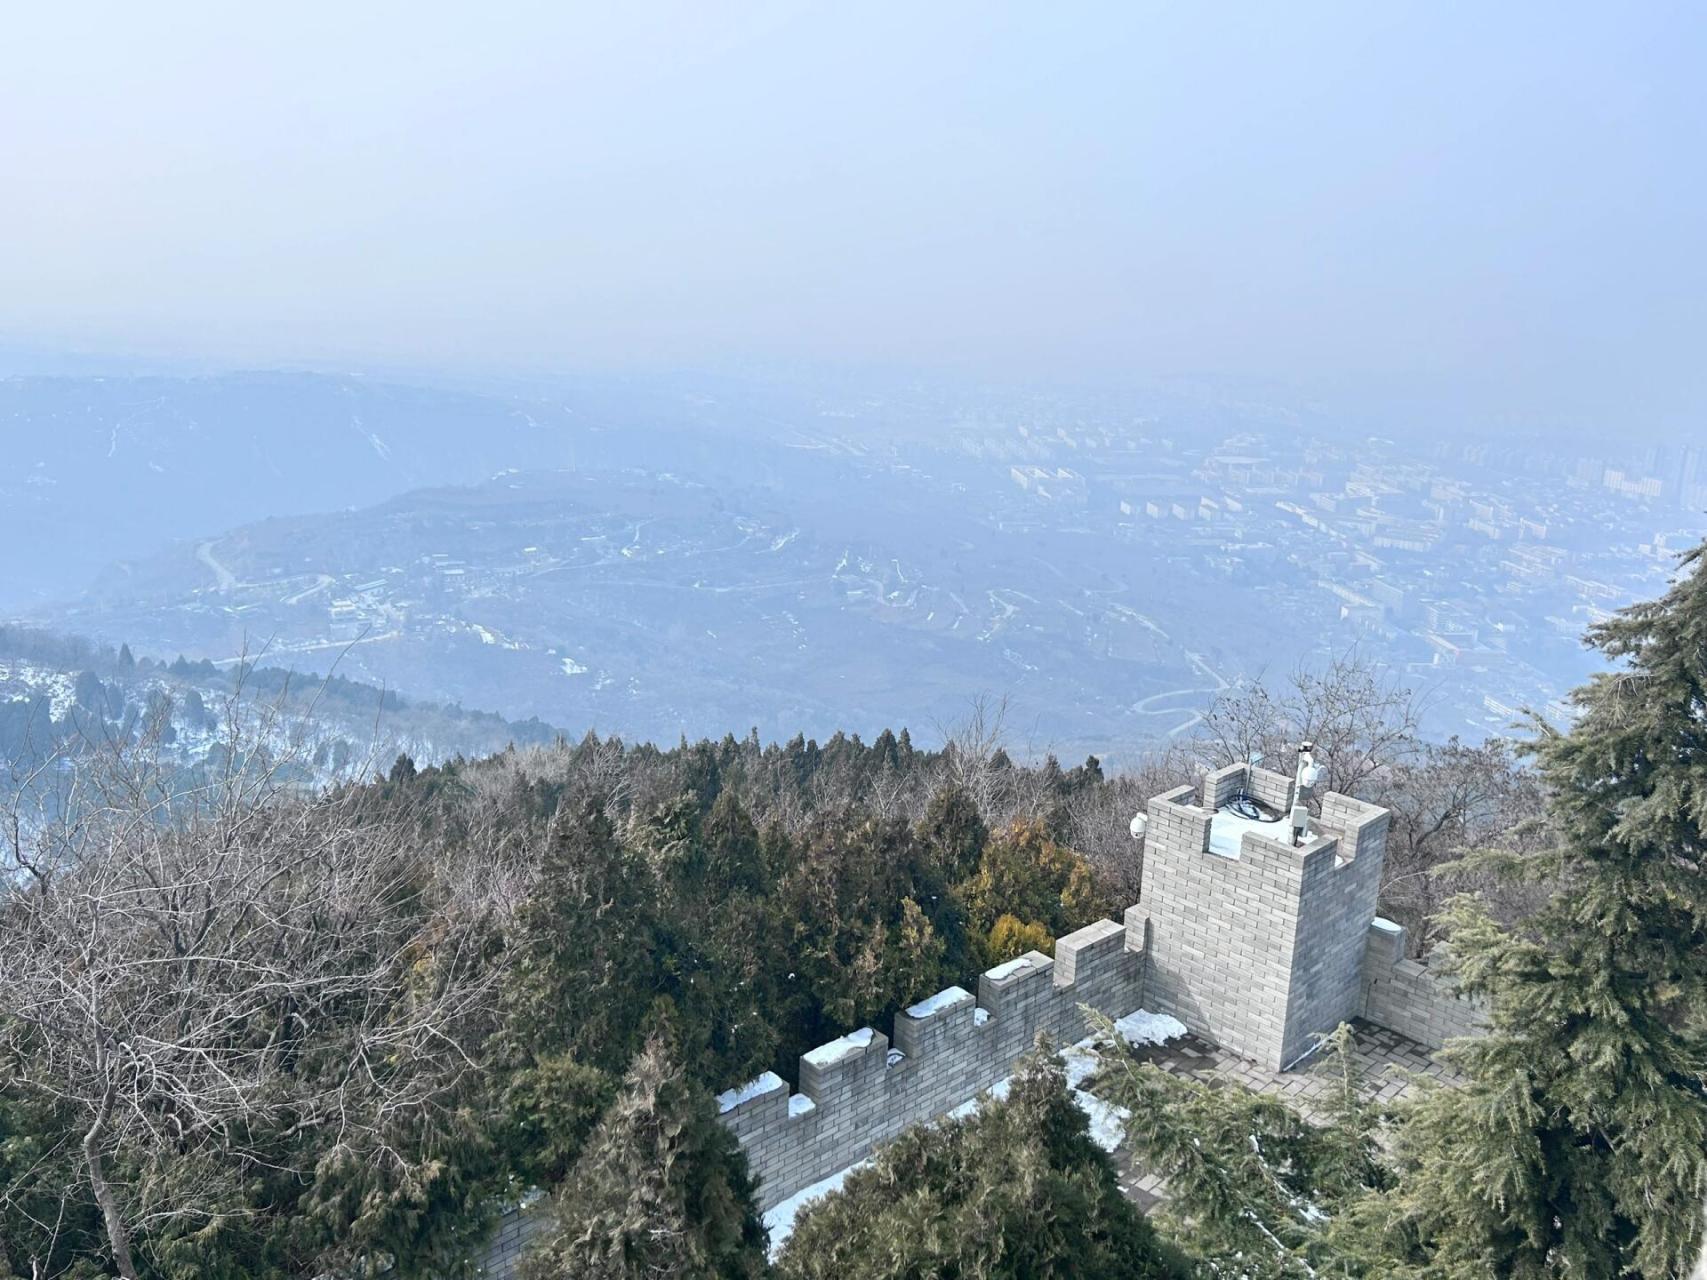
(1308, 775)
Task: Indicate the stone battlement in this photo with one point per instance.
(863, 1089)
(1252, 941)
(1255, 942)
(1415, 999)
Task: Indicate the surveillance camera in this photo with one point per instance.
(1139, 824)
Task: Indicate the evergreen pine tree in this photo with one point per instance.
(711, 936)
(662, 1190)
(1578, 1147)
(954, 832)
(1016, 1192)
(885, 751)
(1011, 937)
(734, 862)
(89, 692)
(585, 942)
(1252, 1185)
(1026, 873)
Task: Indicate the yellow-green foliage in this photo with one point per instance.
(1026, 874)
(1012, 937)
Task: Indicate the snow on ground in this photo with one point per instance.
(1081, 1061)
(1108, 1122)
(25, 680)
(779, 1220)
(1144, 1027)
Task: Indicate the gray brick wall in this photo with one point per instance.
(1262, 952)
(516, 1229)
(1412, 998)
(856, 1098)
(1220, 786)
(1338, 893)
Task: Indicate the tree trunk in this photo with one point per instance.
(118, 1235)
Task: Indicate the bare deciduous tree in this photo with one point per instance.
(975, 759)
(1244, 723)
(1448, 801)
(1099, 818)
(1362, 722)
(207, 971)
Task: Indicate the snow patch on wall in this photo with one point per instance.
(828, 1054)
(1227, 831)
(729, 1099)
(940, 1001)
(1010, 968)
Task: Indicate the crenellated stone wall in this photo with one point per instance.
(862, 1090)
(1255, 944)
(1265, 786)
(1259, 948)
(1412, 998)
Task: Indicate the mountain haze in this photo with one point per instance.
(135, 462)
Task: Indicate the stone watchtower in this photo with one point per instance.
(1252, 939)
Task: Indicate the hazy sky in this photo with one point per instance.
(1504, 204)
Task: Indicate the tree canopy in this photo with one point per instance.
(1017, 1191)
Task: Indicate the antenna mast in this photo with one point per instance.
(1308, 775)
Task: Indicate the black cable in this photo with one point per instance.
(1245, 807)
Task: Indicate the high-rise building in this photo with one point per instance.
(1692, 478)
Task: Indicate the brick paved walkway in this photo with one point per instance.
(1386, 1059)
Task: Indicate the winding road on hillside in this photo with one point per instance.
(1193, 716)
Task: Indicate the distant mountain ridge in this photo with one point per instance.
(655, 557)
(823, 591)
(96, 465)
